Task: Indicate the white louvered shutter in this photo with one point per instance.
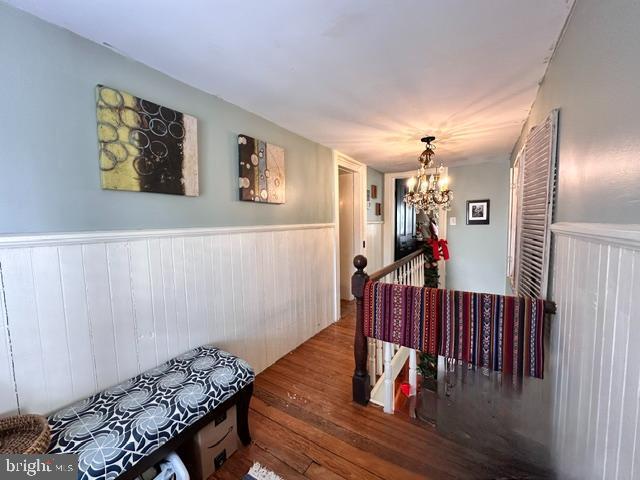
(537, 195)
(514, 212)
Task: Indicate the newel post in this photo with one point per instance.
(360, 382)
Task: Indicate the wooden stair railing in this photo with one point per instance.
(403, 272)
(398, 272)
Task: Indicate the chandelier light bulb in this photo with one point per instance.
(411, 183)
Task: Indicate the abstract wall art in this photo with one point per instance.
(261, 173)
(145, 147)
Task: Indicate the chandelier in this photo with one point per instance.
(428, 191)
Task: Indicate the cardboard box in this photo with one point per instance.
(211, 446)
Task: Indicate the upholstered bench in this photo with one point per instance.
(121, 431)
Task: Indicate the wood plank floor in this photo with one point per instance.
(304, 425)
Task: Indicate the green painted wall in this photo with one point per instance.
(478, 252)
(50, 180)
(593, 80)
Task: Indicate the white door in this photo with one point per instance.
(346, 214)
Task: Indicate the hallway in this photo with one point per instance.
(304, 425)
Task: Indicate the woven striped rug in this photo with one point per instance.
(493, 332)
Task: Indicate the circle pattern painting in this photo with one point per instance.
(261, 170)
(144, 146)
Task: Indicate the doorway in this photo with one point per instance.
(350, 221)
(400, 226)
(346, 227)
(405, 233)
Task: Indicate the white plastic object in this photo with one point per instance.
(172, 464)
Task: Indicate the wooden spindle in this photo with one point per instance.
(412, 267)
(379, 358)
(360, 382)
(388, 378)
(413, 372)
(371, 348)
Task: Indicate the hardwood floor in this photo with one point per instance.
(305, 426)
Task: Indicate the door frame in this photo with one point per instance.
(388, 229)
(359, 170)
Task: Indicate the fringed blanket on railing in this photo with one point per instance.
(494, 332)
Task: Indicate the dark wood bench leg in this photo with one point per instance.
(242, 410)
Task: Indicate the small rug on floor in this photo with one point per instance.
(258, 472)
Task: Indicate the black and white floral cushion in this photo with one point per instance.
(116, 428)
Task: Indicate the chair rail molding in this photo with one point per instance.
(623, 235)
(78, 238)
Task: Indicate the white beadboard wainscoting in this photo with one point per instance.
(82, 312)
(595, 351)
(374, 245)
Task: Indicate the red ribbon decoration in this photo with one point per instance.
(445, 249)
(436, 245)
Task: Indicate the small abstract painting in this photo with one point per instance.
(145, 147)
(261, 173)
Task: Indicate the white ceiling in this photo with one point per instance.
(367, 77)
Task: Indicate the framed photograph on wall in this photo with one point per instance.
(478, 212)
